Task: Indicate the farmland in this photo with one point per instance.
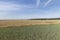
(30, 30)
(8, 23)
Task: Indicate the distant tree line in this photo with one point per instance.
(46, 19)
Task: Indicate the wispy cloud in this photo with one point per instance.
(37, 3)
(11, 6)
(22, 9)
(7, 7)
(47, 3)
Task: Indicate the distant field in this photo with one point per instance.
(36, 32)
(8, 23)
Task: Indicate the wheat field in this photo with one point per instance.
(8, 23)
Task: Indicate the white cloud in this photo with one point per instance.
(47, 3)
(37, 3)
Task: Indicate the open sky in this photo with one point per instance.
(26, 9)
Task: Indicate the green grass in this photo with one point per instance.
(38, 32)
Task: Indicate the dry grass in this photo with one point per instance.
(6, 23)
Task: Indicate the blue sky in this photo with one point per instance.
(27, 9)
